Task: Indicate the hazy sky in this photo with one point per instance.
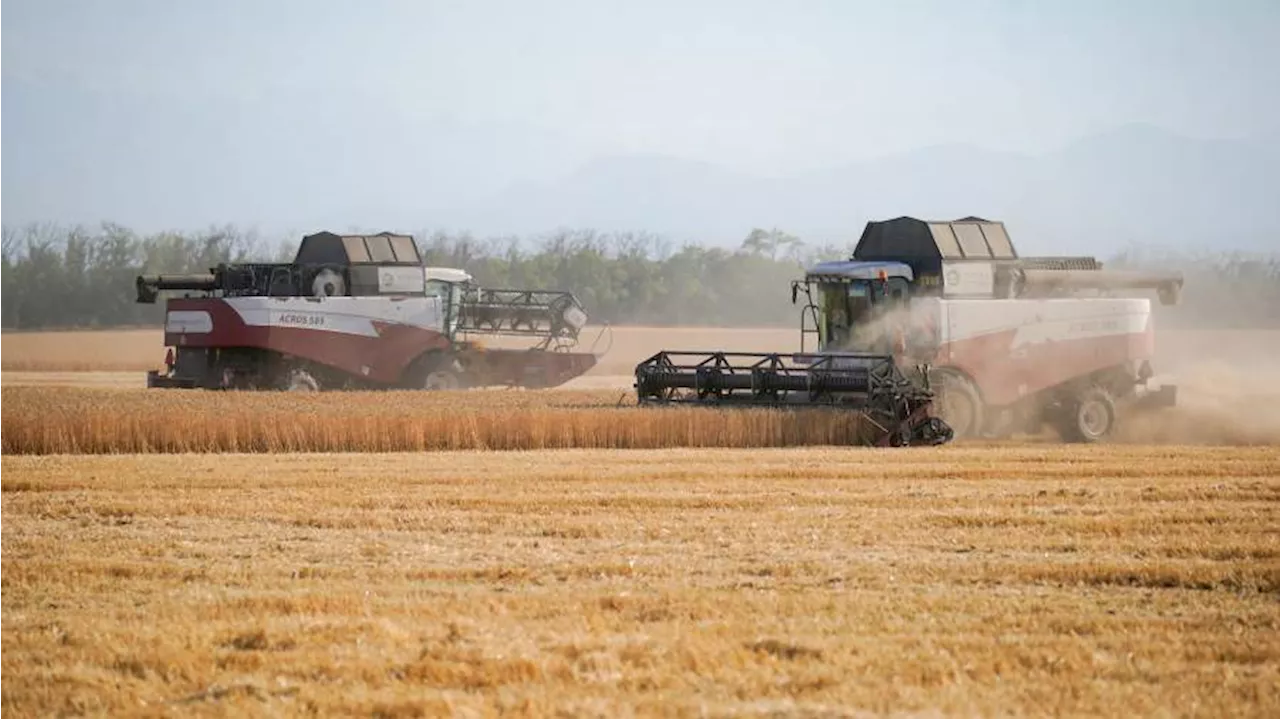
(214, 98)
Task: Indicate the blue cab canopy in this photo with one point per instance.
(850, 270)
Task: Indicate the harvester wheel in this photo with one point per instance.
(1090, 417)
(300, 380)
(957, 402)
(436, 372)
(441, 380)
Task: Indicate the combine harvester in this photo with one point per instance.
(999, 344)
(359, 312)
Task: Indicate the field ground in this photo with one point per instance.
(1023, 580)
(1139, 578)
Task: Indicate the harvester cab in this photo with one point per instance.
(1000, 343)
(361, 311)
(845, 299)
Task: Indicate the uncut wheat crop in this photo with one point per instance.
(39, 420)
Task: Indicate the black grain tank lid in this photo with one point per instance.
(384, 248)
(924, 244)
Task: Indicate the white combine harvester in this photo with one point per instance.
(359, 312)
(1002, 343)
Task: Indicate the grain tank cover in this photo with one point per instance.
(925, 244)
(384, 248)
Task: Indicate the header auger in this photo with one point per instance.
(1002, 344)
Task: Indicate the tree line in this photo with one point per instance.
(65, 277)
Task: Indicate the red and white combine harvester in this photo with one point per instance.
(359, 311)
(1000, 344)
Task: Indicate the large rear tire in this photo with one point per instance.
(956, 401)
(300, 380)
(436, 372)
(1089, 417)
(441, 380)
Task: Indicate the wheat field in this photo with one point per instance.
(66, 420)
(229, 553)
(800, 582)
(86, 420)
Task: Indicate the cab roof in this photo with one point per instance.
(843, 270)
(447, 274)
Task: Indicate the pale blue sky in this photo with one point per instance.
(128, 109)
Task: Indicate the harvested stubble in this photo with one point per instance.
(97, 421)
(138, 350)
(1023, 581)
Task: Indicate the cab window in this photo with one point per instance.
(897, 290)
(859, 301)
(437, 288)
(844, 306)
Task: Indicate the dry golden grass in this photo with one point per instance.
(75, 420)
(87, 379)
(1027, 581)
(135, 350)
(53, 420)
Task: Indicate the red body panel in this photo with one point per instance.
(381, 359)
(1004, 375)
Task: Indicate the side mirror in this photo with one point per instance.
(795, 289)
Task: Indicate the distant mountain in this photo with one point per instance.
(630, 192)
(290, 161)
(1134, 185)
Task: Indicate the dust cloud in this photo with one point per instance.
(1228, 390)
(1228, 382)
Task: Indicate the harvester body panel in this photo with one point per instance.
(1012, 349)
(372, 338)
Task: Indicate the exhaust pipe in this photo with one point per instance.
(149, 286)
